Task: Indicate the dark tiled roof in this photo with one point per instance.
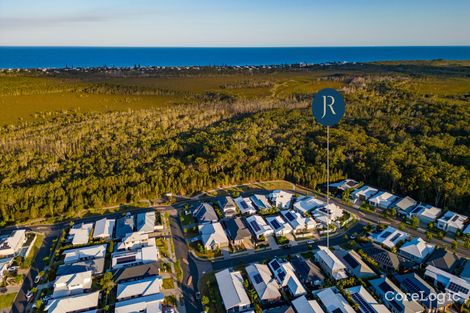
(205, 213)
(443, 260)
(136, 272)
(124, 225)
(95, 265)
(383, 257)
(306, 269)
(236, 229)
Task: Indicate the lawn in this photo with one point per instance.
(162, 246)
(208, 287)
(168, 283)
(7, 300)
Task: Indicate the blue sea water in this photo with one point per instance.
(59, 57)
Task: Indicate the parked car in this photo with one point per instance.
(198, 295)
(29, 295)
(37, 279)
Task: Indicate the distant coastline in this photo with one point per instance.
(94, 57)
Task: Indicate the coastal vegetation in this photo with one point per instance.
(75, 141)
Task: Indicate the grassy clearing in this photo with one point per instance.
(6, 300)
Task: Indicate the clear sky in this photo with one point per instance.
(234, 22)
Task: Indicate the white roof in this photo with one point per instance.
(368, 299)
(258, 225)
(142, 287)
(231, 289)
(73, 303)
(383, 199)
(262, 280)
(285, 276)
(406, 203)
(365, 191)
(281, 199)
(104, 228)
(147, 254)
(417, 247)
(135, 240)
(307, 203)
(331, 211)
(65, 285)
(389, 237)
(301, 304)
(260, 201)
(90, 252)
(453, 219)
(245, 205)
(297, 221)
(336, 267)
(80, 233)
(428, 211)
(146, 222)
(453, 284)
(333, 301)
(12, 243)
(148, 304)
(212, 234)
(278, 224)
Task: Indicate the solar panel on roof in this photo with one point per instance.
(396, 305)
(457, 288)
(351, 261)
(395, 237)
(244, 205)
(257, 278)
(289, 216)
(275, 265)
(275, 224)
(455, 218)
(363, 305)
(386, 287)
(255, 226)
(386, 234)
(281, 276)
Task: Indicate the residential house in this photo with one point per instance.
(386, 289)
(228, 207)
(139, 288)
(451, 222)
(383, 200)
(125, 225)
(86, 302)
(365, 301)
(137, 272)
(305, 204)
(258, 226)
(72, 284)
(84, 253)
(386, 260)
(455, 286)
(333, 301)
(245, 205)
(389, 237)
(280, 227)
(151, 303)
(443, 259)
(11, 244)
(330, 263)
(96, 266)
(261, 202)
(302, 305)
(432, 300)
(285, 276)
(213, 236)
(231, 289)
(344, 185)
(205, 213)
(405, 206)
(363, 193)
(465, 273)
(145, 222)
(327, 214)
(104, 229)
(416, 250)
(237, 231)
(133, 241)
(466, 231)
(307, 271)
(425, 213)
(264, 283)
(280, 309)
(355, 266)
(298, 223)
(281, 199)
(4, 265)
(80, 234)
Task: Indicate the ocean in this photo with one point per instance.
(60, 57)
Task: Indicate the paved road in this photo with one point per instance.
(21, 303)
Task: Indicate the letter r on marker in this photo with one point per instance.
(330, 105)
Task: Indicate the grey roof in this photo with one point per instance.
(383, 257)
(412, 283)
(136, 272)
(146, 222)
(443, 260)
(406, 204)
(124, 225)
(205, 213)
(354, 262)
(465, 274)
(306, 269)
(226, 203)
(280, 309)
(236, 229)
(95, 265)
